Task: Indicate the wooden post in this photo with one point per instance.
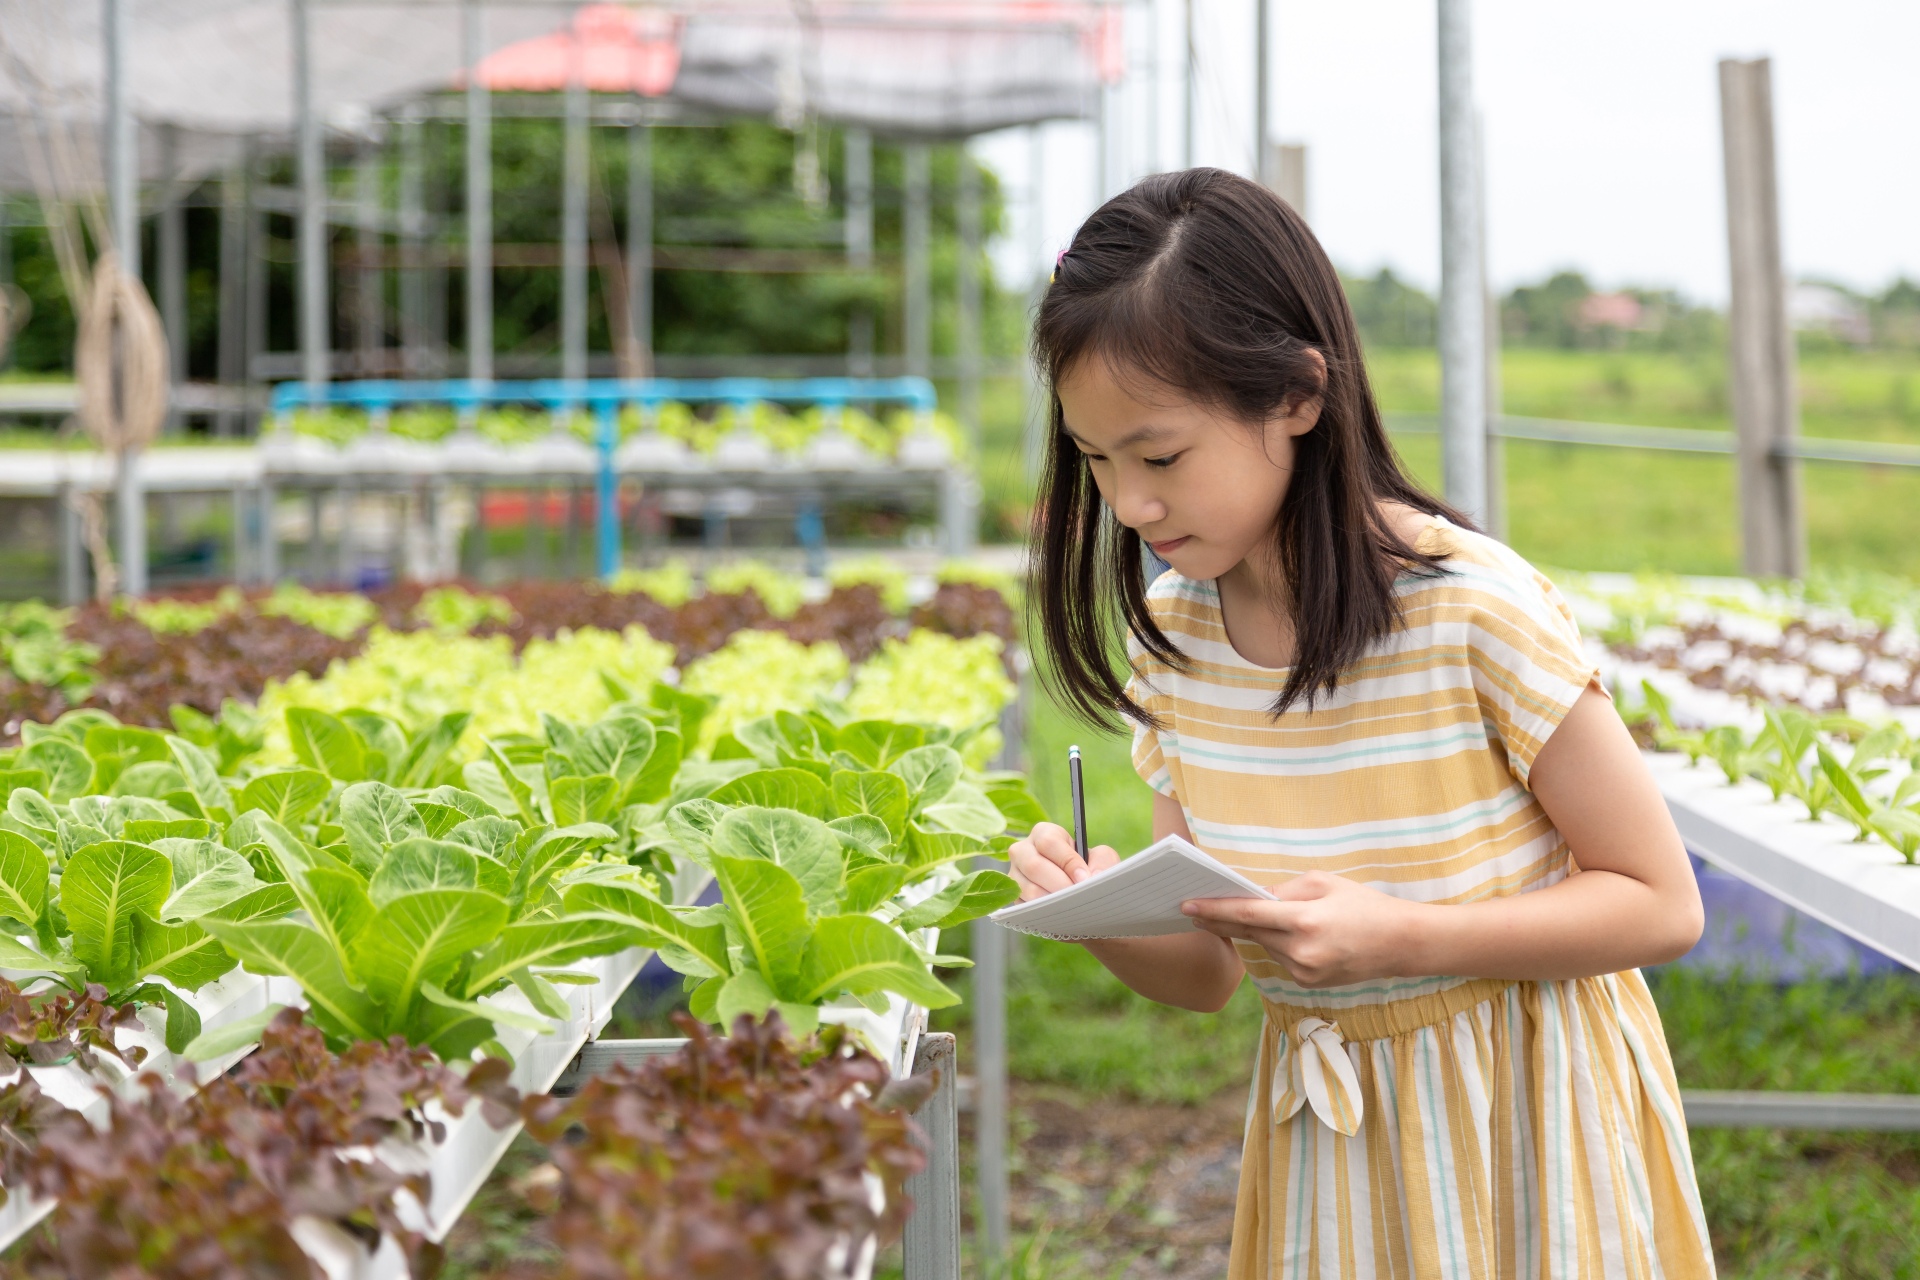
(1760, 363)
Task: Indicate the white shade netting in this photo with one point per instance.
(205, 76)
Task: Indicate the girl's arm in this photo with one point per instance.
(1633, 902)
(1189, 970)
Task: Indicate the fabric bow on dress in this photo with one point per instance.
(1314, 1070)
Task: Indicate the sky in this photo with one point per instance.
(1601, 128)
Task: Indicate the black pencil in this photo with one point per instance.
(1079, 803)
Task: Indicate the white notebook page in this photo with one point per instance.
(1139, 898)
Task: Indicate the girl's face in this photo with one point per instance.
(1201, 487)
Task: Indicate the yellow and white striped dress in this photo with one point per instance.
(1424, 1127)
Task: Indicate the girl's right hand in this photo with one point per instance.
(1046, 861)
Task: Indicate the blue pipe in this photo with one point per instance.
(607, 508)
(465, 393)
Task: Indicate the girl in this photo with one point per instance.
(1344, 692)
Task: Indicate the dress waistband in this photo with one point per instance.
(1304, 1055)
(1397, 1017)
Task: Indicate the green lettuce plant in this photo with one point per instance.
(839, 854)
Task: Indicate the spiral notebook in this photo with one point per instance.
(1139, 898)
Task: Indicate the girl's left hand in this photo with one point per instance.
(1325, 929)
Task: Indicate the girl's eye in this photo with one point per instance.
(1162, 462)
(1093, 457)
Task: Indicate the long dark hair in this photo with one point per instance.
(1211, 285)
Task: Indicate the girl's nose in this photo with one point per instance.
(1136, 505)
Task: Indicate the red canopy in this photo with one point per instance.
(610, 48)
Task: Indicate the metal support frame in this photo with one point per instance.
(123, 156)
(573, 228)
(315, 365)
(479, 199)
(172, 273)
(968, 331)
(640, 248)
(1262, 92)
(1034, 450)
(1761, 357)
(859, 236)
(254, 331)
(918, 237)
(123, 198)
(1189, 90)
(992, 955)
(369, 242)
(1768, 1109)
(932, 1245)
(411, 198)
(1495, 519)
(231, 360)
(1463, 333)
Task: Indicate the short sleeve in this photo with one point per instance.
(1528, 664)
(1150, 746)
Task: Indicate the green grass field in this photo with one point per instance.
(1585, 507)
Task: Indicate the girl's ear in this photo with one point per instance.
(1299, 415)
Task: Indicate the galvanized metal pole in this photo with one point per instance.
(369, 244)
(1035, 445)
(1262, 91)
(314, 338)
(479, 199)
(123, 158)
(967, 286)
(1463, 330)
(859, 235)
(640, 245)
(1190, 89)
(932, 1246)
(573, 228)
(1761, 357)
(123, 194)
(1496, 509)
(919, 258)
(412, 225)
(990, 964)
(231, 344)
(255, 330)
(173, 262)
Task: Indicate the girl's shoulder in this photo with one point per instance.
(1486, 576)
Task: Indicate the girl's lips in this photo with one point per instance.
(1171, 544)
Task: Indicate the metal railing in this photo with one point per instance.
(1621, 435)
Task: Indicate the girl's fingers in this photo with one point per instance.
(1046, 861)
(1256, 913)
(1054, 843)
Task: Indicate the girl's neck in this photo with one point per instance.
(1254, 594)
(1253, 608)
